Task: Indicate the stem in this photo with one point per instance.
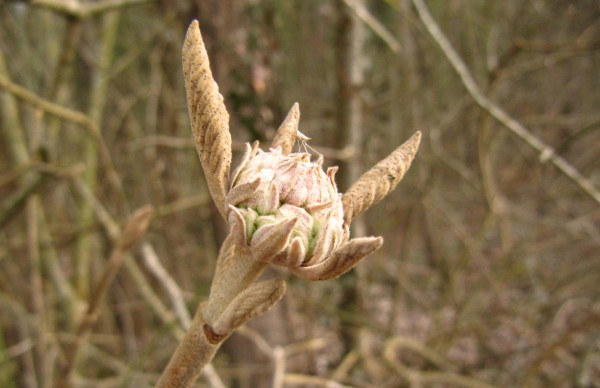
(99, 90)
(235, 271)
(192, 354)
(131, 234)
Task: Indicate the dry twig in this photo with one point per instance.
(375, 25)
(82, 10)
(132, 233)
(547, 153)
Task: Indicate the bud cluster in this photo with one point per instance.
(285, 209)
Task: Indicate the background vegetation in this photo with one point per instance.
(489, 275)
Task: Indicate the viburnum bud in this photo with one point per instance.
(284, 209)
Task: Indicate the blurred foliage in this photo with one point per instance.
(490, 269)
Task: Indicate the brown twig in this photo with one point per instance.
(299, 379)
(132, 233)
(65, 114)
(178, 302)
(374, 24)
(113, 231)
(77, 9)
(418, 377)
(279, 373)
(17, 201)
(547, 153)
(47, 106)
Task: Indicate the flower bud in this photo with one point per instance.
(285, 209)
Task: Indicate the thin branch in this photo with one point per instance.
(83, 10)
(181, 204)
(298, 379)
(102, 214)
(31, 185)
(342, 370)
(154, 265)
(419, 378)
(279, 359)
(12, 205)
(374, 24)
(311, 345)
(45, 105)
(259, 341)
(65, 114)
(131, 234)
(113, 231)
(211, 375)
(546, 152)
(176, 295)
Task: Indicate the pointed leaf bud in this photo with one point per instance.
(286, 134)
(382, 178)
(208, 116)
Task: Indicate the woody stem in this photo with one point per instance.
(235, 271)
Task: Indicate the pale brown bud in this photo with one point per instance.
(285, 209)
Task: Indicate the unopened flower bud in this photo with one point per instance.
(287, 206)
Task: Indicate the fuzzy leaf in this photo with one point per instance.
(255, 300)
(382, 178)
(342, 260)
(237, 227)
(208, 116)
(242, 192)
(249, 153)
(286, 133)
(271, 239)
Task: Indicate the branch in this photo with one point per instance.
(131, 234)
(83, 10)
(374, 24)
(45, 105)
(154, 265)
(279, 359)
(417, 377)
(298, 379)
(546, 152)
(65, 114)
